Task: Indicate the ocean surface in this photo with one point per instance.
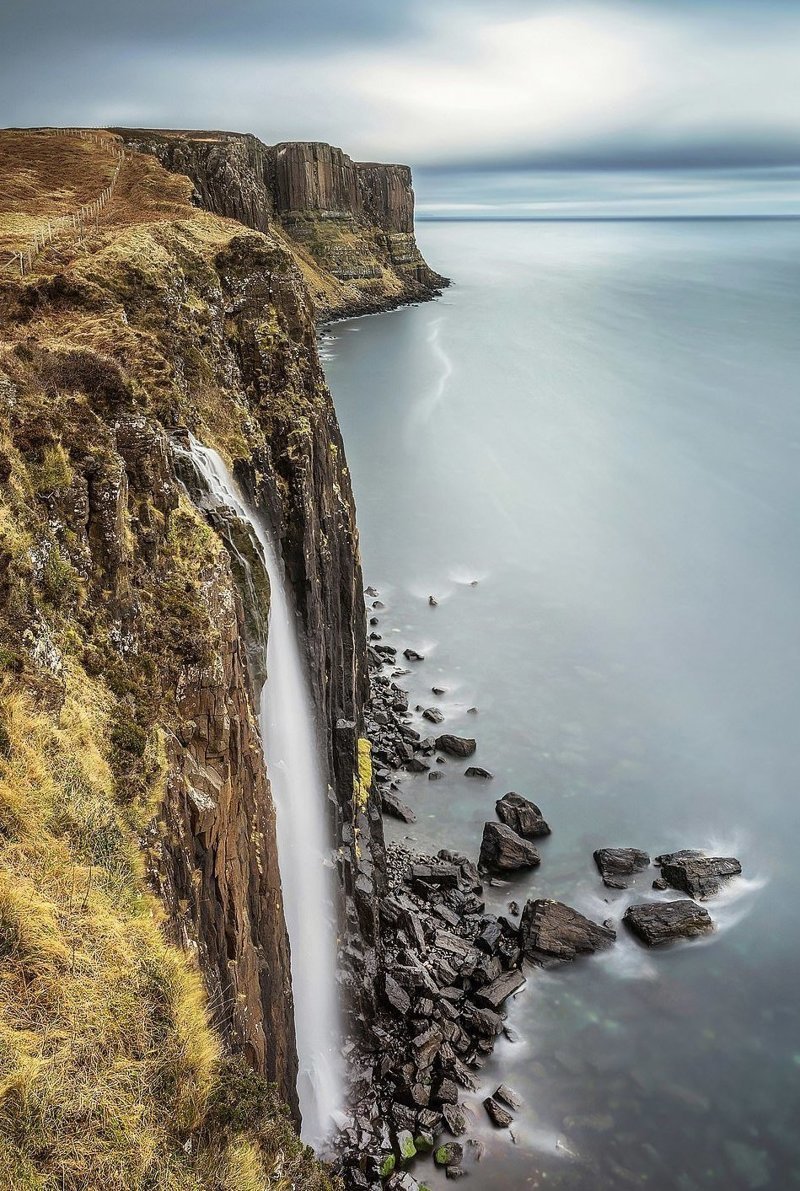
(600, 423)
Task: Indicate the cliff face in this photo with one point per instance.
(120, 609)
(353, 222)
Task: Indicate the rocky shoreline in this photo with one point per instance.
(448, 967)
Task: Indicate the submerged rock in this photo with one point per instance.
(551, 931)
(521, 815)
(413, 656)
(661, 922)
(618, 865)
(502, 850)
(696, 874)
(456, 746)
(433, 714)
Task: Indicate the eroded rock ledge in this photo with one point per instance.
(353, 222)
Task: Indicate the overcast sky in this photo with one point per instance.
(516, 106)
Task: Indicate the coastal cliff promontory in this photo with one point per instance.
(146, 965)
(350, 223)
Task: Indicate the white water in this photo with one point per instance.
(300, 791)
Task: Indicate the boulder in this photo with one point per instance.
(392, 805)
(698, 875)
(498, 1115)
(433, 714)
(618, 865)
(661, 922)
(456, 746)
(521, 815)
(477, 771)
(506, 1096)
(550, 931)
(413, 656)
(449, 1154)
(502, 850)
(492, 996)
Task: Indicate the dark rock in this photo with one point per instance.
(521, 815)
(660, 883)
(455, 1172)
(445, 875)
(502, 850)
(415, 765)
(661, 922)
(433, 714)
(413, 656)
(493, 995)
(388, 650)
(505, 1095)
(397, 997)
(456, 1121)
(618, 865)
(472, 711)
(497, 1114)
(434, 775)
(456, 746)
(477, 771)
(446, 1092)
(449, 1154)
(550, 931)
(391, 805)
(432, 600)
(698, 875)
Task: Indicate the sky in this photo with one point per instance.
(567, 108)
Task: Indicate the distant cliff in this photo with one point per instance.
(352, 221)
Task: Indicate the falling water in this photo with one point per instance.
(300, 792)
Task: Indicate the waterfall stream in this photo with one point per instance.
(299, 787)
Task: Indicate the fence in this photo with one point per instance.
(78, 220)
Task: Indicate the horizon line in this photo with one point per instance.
(767, 218)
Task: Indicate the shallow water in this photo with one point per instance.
(601, 423)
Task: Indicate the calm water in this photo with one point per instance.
(601, 423)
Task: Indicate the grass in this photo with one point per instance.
(110, 1075)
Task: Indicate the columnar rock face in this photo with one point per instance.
(171, 319)
(354, 221)
(314, 177)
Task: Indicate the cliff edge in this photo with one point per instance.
(146, 975)
(350, 224)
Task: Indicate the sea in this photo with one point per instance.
(588, 451)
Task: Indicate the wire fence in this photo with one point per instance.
(77, 221)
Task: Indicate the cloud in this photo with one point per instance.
(573, 84)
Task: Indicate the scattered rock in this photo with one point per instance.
(661, 922)
(456, 746)
(498, 1115)
(391, 805)
(550, 931)
(434, 775)
(433, 714)
(618, 865)
(449, 1154)
(413, 656)
(472, 711)
(432, 600)
(438, 690)
(521, 815)
(477, 771)
(698, 875)
(493, 995)
(505, 1095)
(502, 850)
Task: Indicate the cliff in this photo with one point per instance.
(351, 224)
(141, 920)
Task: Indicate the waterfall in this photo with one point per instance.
(299, 787)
